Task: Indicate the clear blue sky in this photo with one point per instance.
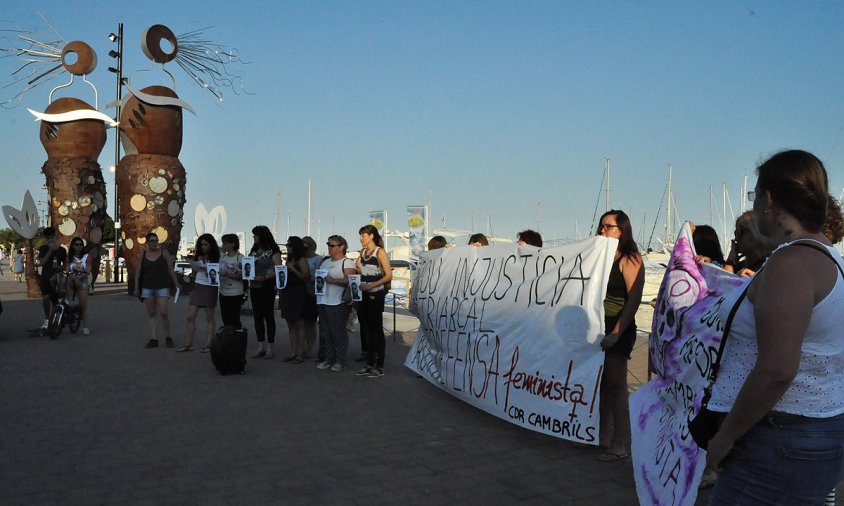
(493, 106)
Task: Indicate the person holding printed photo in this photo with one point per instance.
(373, 264)
(333, 304)
(231, 282)
(204, 293)
(262, 290)
(291, 300)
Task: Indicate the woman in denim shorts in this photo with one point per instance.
(152, 284)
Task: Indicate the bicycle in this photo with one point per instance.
(66, 311)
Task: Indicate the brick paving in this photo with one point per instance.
(100, 420)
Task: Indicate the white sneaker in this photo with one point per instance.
(323, 365)
(45, 324)
(336, 368)
(86, 331)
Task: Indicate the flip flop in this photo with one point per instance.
(187, 347)
(612, 456)
(205, 350)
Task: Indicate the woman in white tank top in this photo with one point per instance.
(782, 372)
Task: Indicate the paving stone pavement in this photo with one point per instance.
(101, 420)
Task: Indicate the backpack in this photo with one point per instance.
(228, 350)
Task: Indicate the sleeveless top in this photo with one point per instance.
(79, 266)
(154, 273)
(263, 267)
(370, 270)
(816, 389)
(616, 291)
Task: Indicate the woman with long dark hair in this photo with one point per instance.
(204, 293)
(781, 440)
(291, 300)
(373, 264)
(262, 290)
(79, 268)
(624, 294)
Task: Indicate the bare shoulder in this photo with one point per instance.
(634, 260)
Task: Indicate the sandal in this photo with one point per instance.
(297, 360)
(205, 350)
(609, 456)
(290, 358)
(187, 347)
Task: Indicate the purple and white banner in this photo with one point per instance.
(687, 329)
(516, 331)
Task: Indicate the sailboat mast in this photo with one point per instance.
(308, 225)
(607, 191)
(668, 234)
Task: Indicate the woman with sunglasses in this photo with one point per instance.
(750, 248)
(79, 272)
(291, 299)
(624, 294)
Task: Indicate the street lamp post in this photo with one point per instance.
(118, 55)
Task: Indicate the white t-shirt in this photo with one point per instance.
(231, 286)
(334, 293)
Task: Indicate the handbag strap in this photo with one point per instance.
(713, 373)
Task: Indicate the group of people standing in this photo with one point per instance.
(303, 307)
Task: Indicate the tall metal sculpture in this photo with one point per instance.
(150, 178)
(73, 133)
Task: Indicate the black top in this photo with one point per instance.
(154, 273)
(54, 264)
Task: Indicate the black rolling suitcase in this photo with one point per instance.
(228, 350)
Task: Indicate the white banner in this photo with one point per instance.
(667, 464)
(516, 331)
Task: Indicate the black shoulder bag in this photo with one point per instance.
(706, 423)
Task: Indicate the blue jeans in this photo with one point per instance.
(784, 459)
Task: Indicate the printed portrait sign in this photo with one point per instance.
(354, 287)
(281, 277)
(248, 268)
(213, 270)
(516, 332)
(319, 281)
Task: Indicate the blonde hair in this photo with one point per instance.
(765, 244)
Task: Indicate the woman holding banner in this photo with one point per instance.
(781, 440)
(624, 294)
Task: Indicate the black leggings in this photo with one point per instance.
(230, 310)
(263, 300)
(371, 318)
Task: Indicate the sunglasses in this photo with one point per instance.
(78, 244)
(607, 226)
(332, 245)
